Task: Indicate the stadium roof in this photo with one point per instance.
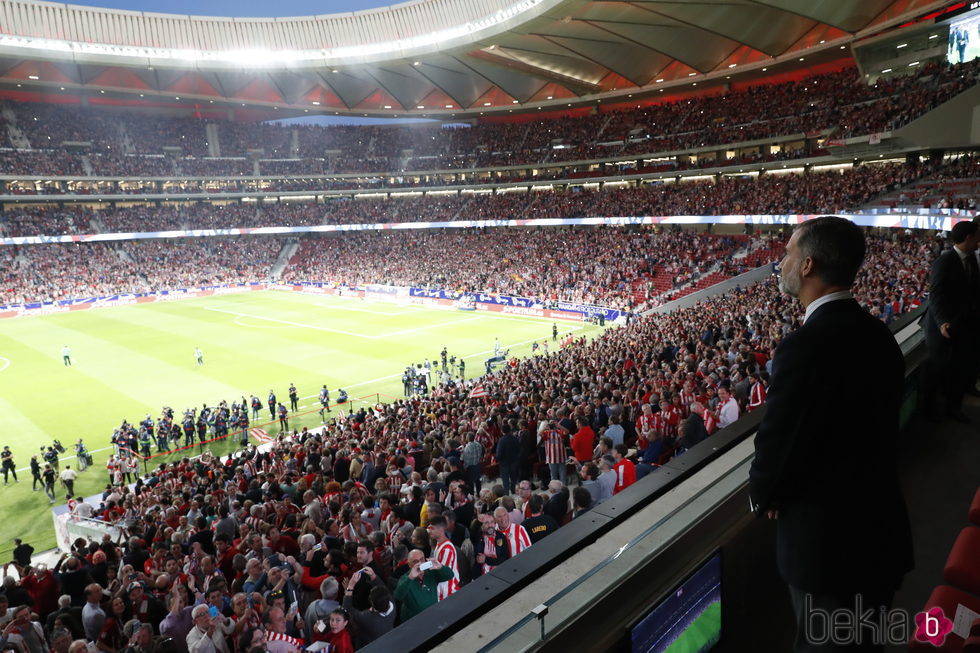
(433, 57)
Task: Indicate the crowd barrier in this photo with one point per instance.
(937, 219)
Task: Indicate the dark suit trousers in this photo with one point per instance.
(814, 624)
(952, 367)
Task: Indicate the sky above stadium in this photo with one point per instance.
(242, 8)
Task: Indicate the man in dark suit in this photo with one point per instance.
(692, 431)
(952, 323)
(826, 472)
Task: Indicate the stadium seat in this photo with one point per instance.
(975, 509)
(963, 564)
(947, 598)
(972, 643)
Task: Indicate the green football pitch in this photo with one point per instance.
(130, 361)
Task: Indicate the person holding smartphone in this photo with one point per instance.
(23, 634)
(417, 590)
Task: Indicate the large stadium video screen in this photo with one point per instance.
(688, 620)
(964, 37)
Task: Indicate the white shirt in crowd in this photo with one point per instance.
(727, 412)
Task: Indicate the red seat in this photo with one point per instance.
(975, 509)
(963, 563)
(947, 599)
(972, 643)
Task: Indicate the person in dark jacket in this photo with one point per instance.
(508, 455)
(952, 323)
(842, 530)
(692, 431)
(377, 620)
(538, 525)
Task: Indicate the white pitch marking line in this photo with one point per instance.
(258, 326)
(352, 385)
(332, 330)
(363, 310)
(426, 328)
(288, 322)
(6, 363)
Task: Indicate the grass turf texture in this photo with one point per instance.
(702, 634)
(130, 361)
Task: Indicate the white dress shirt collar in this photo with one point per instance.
(826, 299)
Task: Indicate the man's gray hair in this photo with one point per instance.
(329, 588)
(200, 610)
(836, 246)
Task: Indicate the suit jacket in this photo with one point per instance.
(827, 463)
(952, 298)
(694, 431)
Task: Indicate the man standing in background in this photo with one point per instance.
(952, 323)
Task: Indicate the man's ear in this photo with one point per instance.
(807, 267)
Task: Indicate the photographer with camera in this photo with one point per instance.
(417, 590)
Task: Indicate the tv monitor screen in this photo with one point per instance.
(688, 620)
(964, 37)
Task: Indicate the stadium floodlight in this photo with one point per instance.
(660, 80)
(901, 45)
(33, 77)
(486, 104)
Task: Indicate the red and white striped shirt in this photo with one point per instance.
(517, 539)
(554, 446)
(646, 423)
(710, 423)
(282, 643)
(757, 396)
(687, 398)
(446, 554)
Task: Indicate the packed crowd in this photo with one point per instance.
(840, 104)
(340, 534)
(895, 277)
(54, 272)
(812, 192)
(117, 165)
(614, 267)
